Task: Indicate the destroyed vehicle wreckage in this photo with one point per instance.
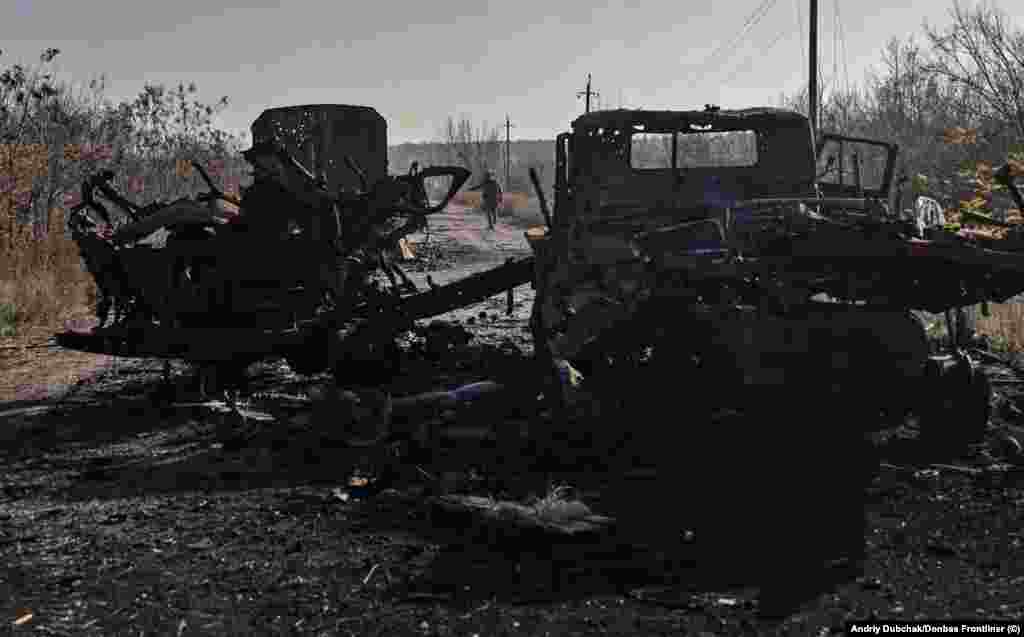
(741, 260)
(725, 238)
(291, 268)
(730, 243)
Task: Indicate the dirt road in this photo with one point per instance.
(30, 371)
(120, 514)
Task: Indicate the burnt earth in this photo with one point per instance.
(122, 514)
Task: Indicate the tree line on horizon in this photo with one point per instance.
(953, 102)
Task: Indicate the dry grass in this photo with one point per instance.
(41, 280)
(42, 285)
(58, 133)
(1005, 326)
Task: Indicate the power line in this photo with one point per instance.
(745, 65)
(752, 20)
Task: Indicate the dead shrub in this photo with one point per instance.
(55, 134)
(42, 279)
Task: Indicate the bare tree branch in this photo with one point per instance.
(977, 51)
(476, 149)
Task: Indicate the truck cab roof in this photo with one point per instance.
(749, 118)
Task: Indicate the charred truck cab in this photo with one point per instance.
(729, 249)
(740, 301)
(667, 281)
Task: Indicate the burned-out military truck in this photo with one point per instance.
(743, 302)
(731, 252)
(294, 267)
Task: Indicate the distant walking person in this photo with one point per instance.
(491, 196)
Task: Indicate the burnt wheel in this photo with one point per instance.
(213, 379)
(353, 418)
(369, 360)
(311, 356)
(955, 403)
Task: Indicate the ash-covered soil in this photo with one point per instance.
(123, 512)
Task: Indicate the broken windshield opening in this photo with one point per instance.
(693, 149)
(852, 164)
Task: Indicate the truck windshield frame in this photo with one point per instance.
(699, 148)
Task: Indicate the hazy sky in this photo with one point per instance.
(419, 61)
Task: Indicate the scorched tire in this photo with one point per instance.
(955, 404)
(311, 356)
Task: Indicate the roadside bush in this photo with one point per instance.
(52, 136)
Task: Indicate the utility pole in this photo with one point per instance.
(508, 152)
(587, 93)
(812, 88)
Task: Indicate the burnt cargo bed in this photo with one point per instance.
(195, 344)
(217, 344)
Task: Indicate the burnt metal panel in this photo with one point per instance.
(321, 135)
